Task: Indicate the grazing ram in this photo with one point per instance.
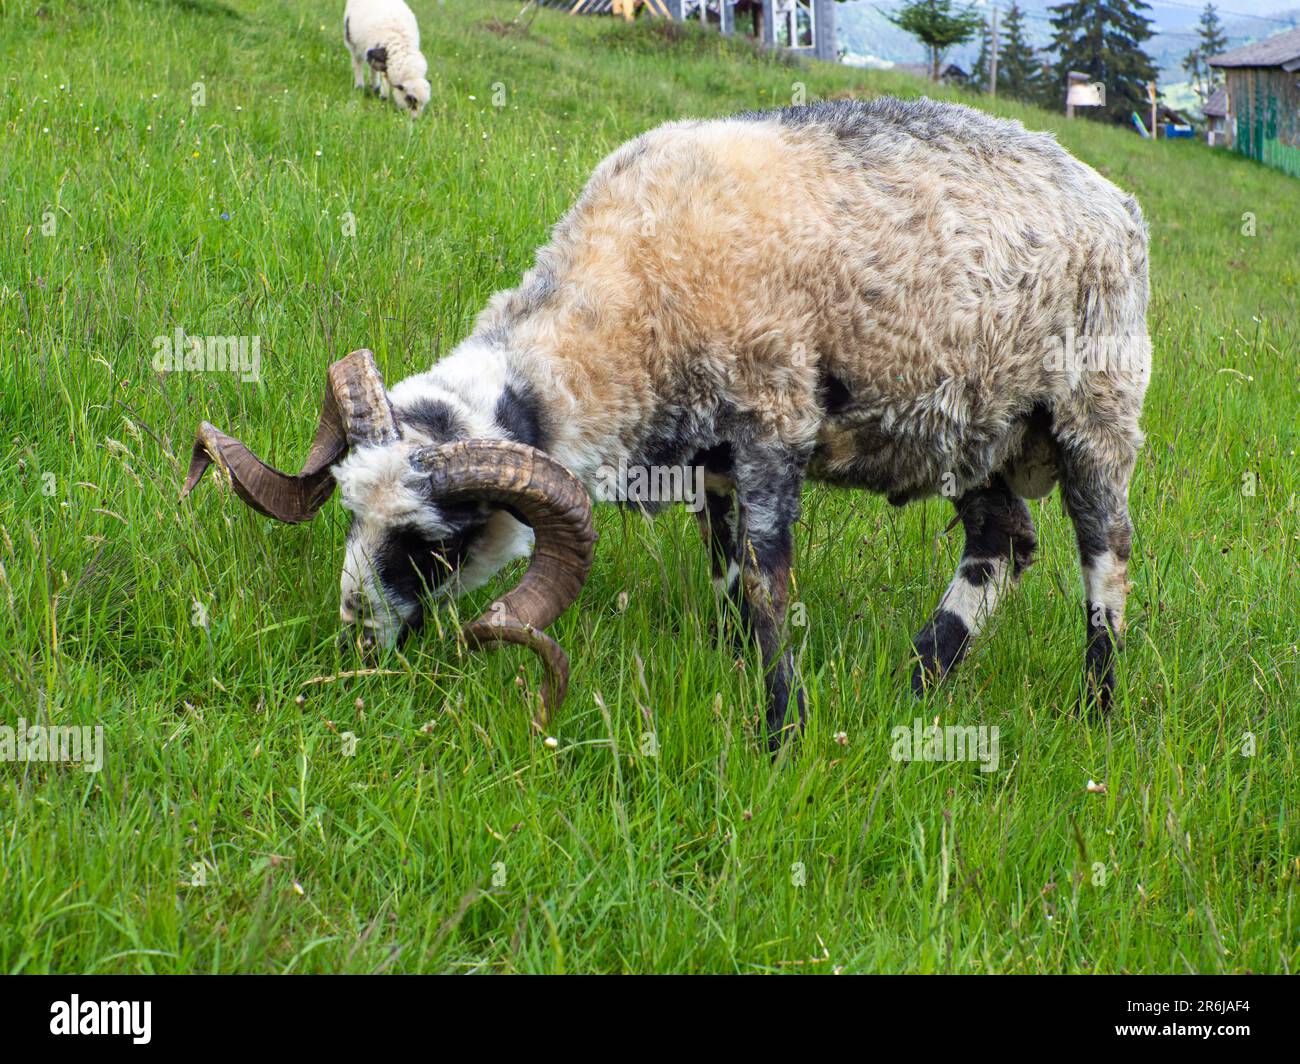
(887, 295)
(384, 35)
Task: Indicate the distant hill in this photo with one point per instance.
(865, 33)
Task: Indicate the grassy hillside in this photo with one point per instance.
(229, 831)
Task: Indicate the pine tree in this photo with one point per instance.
(1103, 39)
(1048, 97)
(1194, 65)
(1018, 64)
(1205, 78)
(979, 78)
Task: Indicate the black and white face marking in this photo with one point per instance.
(434, 419)
(410, 564)
(392, 518)
(412, 96)
(404, 547)
(401, 545)
(390, 578)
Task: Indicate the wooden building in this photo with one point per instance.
(1216, 118)
(1263, 105)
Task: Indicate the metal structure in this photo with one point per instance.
(805, 27)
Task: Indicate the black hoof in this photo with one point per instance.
(1098, 696)
(939, 646)
(784, 726)
(924, 677)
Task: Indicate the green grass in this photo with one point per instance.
(454, 839)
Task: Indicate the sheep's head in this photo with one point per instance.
(427, 520)
(412, 95)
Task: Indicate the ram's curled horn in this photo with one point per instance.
(354, 412)
(551, 501)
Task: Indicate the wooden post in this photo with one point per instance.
(1151, 91)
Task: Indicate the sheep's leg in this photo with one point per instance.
(1096, 498)
(717, 516)
(358, 72)
(1000, 542)
(717, 519)
(377, 57)
(768, 482)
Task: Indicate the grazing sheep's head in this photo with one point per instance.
(412, 95)
(406, 547)
(432, 515)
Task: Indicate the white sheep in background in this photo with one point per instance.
(889, 295)
(384, 35)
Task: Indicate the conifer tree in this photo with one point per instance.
(979, 78)
(1103, 39)
(1019, 68)
(1205, 78)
